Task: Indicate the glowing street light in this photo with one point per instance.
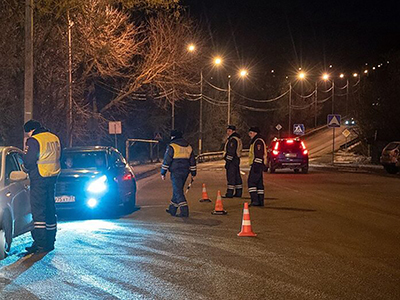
(341, 75)
(191, 47)
(301, 75)
(325, 76)
(243, 73)
(355, 74)
(366, 72)
(218, 61)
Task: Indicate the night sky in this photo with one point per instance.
(284, 35)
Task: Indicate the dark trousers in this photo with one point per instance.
(43, 211)
(256, 185)
(178, 196)
(235, 184)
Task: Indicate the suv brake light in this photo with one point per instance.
(305, 152)
(289, 141)
(127, 176)
(275, 152)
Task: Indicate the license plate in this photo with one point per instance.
(291, 164)
(290, 154)
(65, 199)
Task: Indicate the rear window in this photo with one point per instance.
(286, 146)
(392, 146)
(84, 160)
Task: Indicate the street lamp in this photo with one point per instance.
(341, 75)
(301, 75)
(243, 73)
(355, 74)
(217, 61)
(191, 48)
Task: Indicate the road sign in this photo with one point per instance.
(299, 129)
(278, 127)
(346, 133)
(115, 127)
(158, 136)
(334, 121)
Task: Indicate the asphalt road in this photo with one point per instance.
(324, 235)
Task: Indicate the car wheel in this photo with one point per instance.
(296, 170)
(304, 170)
(391, 169)
(130, 205)
(271, 168)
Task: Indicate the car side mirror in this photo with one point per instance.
(18, 176)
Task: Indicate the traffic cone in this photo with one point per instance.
(246, 224)
(219, 209)
(204, 195)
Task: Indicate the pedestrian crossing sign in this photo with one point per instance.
(334, 121)
(299, 129)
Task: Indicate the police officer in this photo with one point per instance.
(180, 161)
(42, 160)
(232, 152)
(257, 156)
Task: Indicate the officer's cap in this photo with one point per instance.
(32, 125)
(176, 134)
(255, 129)
(232, 127)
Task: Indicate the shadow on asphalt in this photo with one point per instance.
(76, 215)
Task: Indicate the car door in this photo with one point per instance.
(19, 195)
(124, 183)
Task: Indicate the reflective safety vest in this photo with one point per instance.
(251, 151)
(181, 152)
(239, 146)
(49, 154)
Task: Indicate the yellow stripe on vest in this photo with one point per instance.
(181, 152)
(49, 154)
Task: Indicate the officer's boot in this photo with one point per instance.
(229, 193)
(261, 199)
(50, 239)
(184, 211)
(238, 193)
(171, 210)
(254, 199)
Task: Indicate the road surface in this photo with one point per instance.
(324, 235)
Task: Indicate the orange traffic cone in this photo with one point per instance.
(246, 224)
(204, 195)
(219, 209)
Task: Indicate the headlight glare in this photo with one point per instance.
(98, 186)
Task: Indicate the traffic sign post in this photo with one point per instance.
(299, 129)
(333, 122)
(279, 127)
(115, 128)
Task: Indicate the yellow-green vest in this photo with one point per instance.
(251, 151)
(181, 152)
(49, 154)
(239, 146)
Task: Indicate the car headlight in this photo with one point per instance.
(98, 186)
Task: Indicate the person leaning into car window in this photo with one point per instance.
(42, 160)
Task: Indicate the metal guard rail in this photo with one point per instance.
(211, 156)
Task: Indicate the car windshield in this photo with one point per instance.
(84, 160)
(392, 146)
(287, 146)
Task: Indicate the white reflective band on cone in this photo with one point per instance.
(245, 211)
(246, 223)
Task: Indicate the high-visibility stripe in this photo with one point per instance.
(39, 227)
(174, 204)
(238, 186)
(39, 223)
(54, 228)
(182, 204)
(246, 223)
(252, 190)
(228, 157)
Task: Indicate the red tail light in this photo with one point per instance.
(303, 145)
(305, 152)
(276, 146)
(289, 141)
(275, 152)
(127, 176)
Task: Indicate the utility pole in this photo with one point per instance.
(290, 109)
(315, 106)
(229, 99)
(28, 83)
(69, 111)
(333, 96)
(347, 98)
(201, 113)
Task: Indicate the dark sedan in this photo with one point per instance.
(288, 154)
(96, 179)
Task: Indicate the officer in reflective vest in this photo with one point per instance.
(42, 160)
(179, 160)
(257, 156)
(232, 153)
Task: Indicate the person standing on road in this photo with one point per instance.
(42, 160)
(257, 155)
(232, 153)
(179, 160)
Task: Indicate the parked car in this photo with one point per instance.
(390, 158)
(288, 153)
(95, 178)
(15, 209)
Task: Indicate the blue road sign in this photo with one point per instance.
(299, 129)
(334, 121)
